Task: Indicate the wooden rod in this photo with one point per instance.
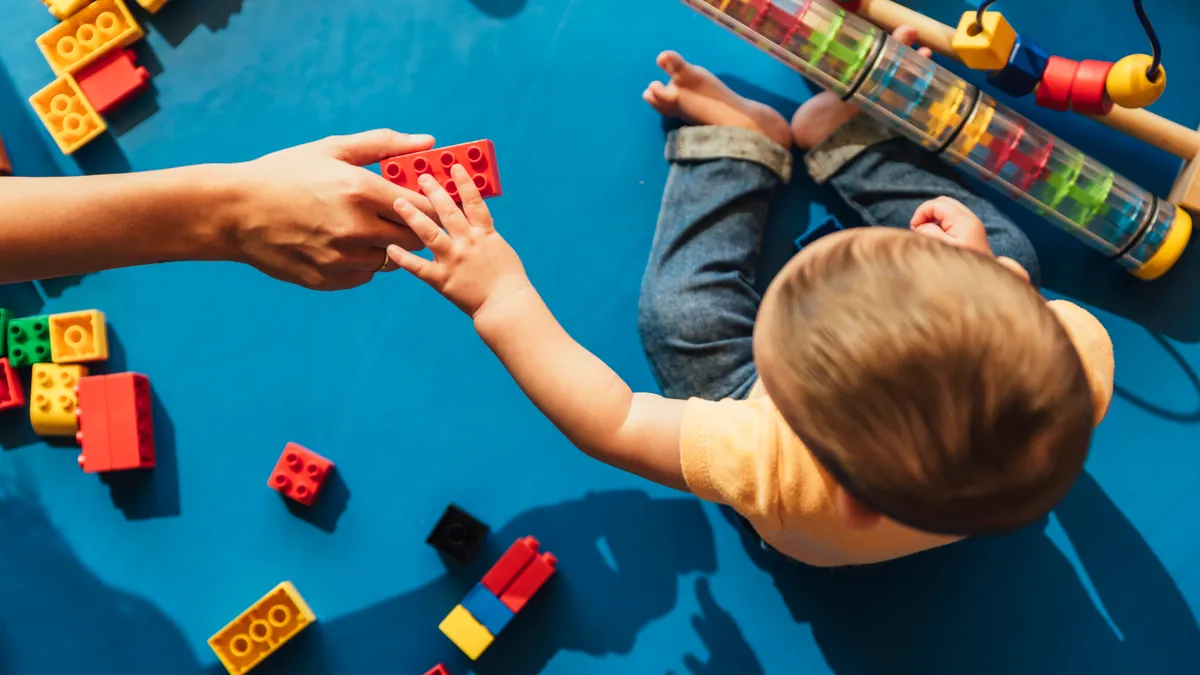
(1141, 124)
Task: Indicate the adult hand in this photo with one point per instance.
(311, 215)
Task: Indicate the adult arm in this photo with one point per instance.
(476, 269)
(310, 215)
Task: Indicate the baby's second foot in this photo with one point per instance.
(699, 97)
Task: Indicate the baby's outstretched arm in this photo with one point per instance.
(477, 270)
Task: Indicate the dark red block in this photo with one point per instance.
(510, 565)
(439, 669)
(112, 80)
(116, 426)
(529, 581)
(478, 158)
(11, 393)
(300, 473)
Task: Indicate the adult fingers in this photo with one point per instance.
(376, 145)
(431, 235)
(472, 202)
(448, 213)
(425, 270)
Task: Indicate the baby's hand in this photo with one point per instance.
(472, 264)
(949, 220)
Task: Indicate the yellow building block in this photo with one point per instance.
(76, 337)
(463, 630)
(261, 630)
(52, 399)
(61, 9)
(83, 37)
(67, 114)
(986, 49)
(152, 6)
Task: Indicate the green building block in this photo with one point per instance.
(5, 317)
(29, 341)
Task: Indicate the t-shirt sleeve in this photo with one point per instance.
(729, 454)
(1095, 350)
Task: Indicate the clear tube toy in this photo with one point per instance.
(945, 114)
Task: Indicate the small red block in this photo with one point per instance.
(11, 393)
(300, 473)
(439, 669)
(112, 80)
(116, 426)
(1089, 91)
(478, 158)
(530, 580)
(1055, 90)
(509, 566)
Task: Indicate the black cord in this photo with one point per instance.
(1155, 46)
(988, 3)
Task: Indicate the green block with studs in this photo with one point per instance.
(29, 341)
(5, 317)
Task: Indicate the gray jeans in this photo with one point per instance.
(698, 301)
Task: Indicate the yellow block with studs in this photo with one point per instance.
(52, 399)
(261, 630)
(76, 337)
(152, 6)
(61, 9)
(85, 36)
(67, 114)
(463, 630)
(986, 46)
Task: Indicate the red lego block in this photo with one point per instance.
(509, 566)
(116, 426)
(11, 393)
(300, 473)
(478, 158)
(1055, 90)
(529, 581)
(1089, 91)
(439, 669)
(112, 80)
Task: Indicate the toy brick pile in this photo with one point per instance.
(96, 73)
(109, 415)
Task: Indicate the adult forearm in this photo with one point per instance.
(58, 226)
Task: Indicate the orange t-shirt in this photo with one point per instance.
(742, 453)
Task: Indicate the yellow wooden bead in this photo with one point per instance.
(1128, 85)
(987, 47)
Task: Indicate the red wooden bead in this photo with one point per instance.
(1089, 91)
(1055, 90)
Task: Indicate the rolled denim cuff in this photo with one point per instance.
(843, 145)
(718, 142)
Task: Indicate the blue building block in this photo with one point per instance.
(1024, 70)
(487, 609)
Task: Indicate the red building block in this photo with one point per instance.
(116, 427)
(300, 473)
(112, 80)
(1089, 91)
(439, 669)
(478, 158)
(509, 566)
(529, 581)
(11, 393)
(1055, 90)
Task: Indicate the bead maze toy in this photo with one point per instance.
(966, 127)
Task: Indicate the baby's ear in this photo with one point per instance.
(1014, 266)
(855, 514)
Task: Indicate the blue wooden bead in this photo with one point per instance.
(1024, 69)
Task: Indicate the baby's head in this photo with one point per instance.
(932, 382)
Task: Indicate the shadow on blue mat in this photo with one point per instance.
(1002, 605)
(619, 553)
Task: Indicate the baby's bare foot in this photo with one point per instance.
(699, 97)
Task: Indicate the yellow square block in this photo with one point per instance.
(152, 6)
(83, 37)
(76, 337)
(986, 49)
(61, 9)
(463, 630)
(67, 114)
(261, 630)
(52, 399)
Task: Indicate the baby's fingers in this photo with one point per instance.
(425, 270)
(431, 235)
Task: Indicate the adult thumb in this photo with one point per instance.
(369, 147)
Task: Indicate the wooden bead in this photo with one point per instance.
(986, 48)
(1129, 87)
(1024, 69)
(1055, 90)
(1089, 95)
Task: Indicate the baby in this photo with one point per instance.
(895, 389)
